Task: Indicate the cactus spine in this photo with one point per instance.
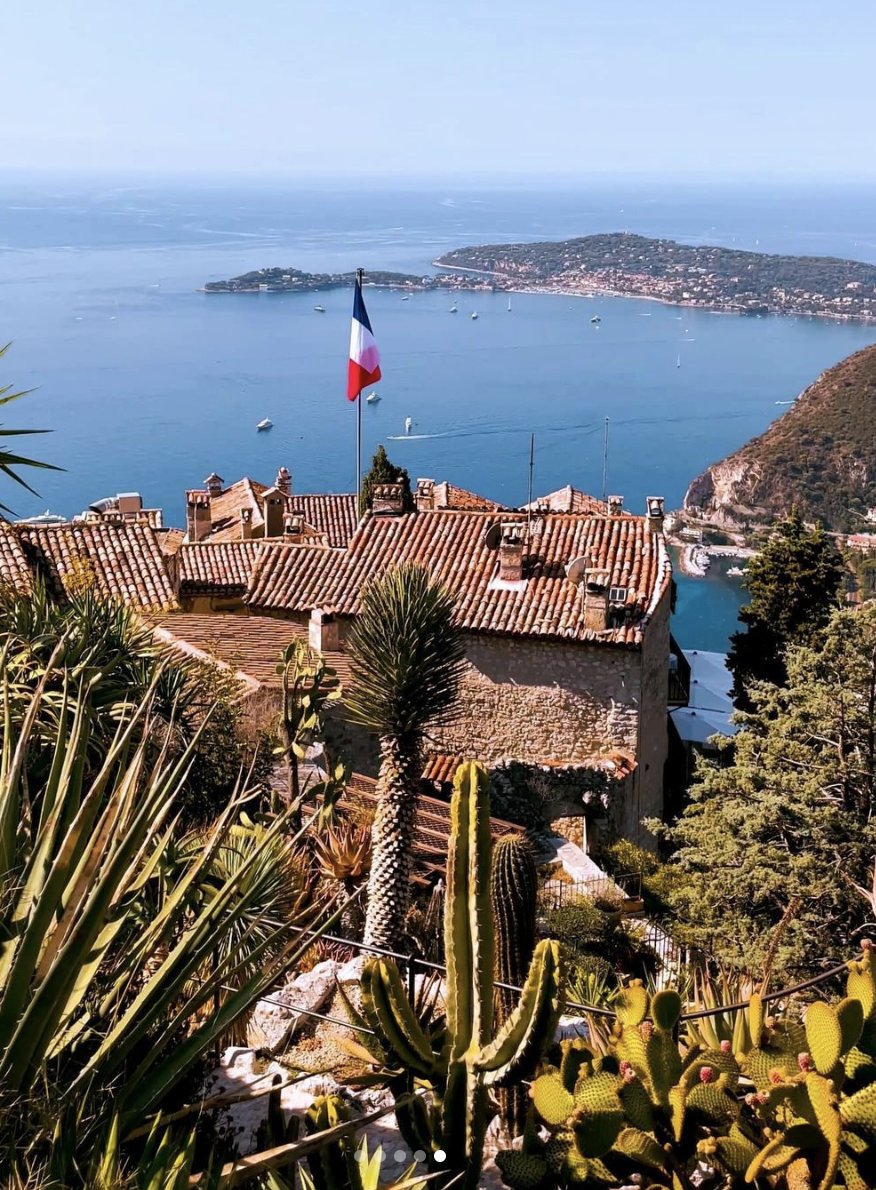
(472, 1058)
(514, 896)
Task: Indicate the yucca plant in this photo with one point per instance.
(10, 461)
(407, 660)
(104, 1009)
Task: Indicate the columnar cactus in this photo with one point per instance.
(794, 1106)
(472, 1059)
(514, 896)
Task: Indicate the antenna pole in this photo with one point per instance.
(360, 274)
(531, 464)
(529, 500)
(605, 464)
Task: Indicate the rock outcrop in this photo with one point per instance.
(819, 456)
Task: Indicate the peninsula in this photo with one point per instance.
(712, 278)
(288, 280)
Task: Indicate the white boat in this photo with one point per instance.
(509, 305)
(319, 309)
(596, 319)
(264, 424)
(678, 362)
(474, 314)
(406, 298)
(373, 398)
(453, 308)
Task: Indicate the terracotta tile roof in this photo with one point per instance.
(617, 766)
(123, 560)
(251, 645)
(170, 540)
(453, 546)
(431, 825)
(448, 495)
(216, 565)
(225, 509)
(569, 499)
(14, 570)
(334, 515)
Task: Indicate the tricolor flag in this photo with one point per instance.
(364, 367)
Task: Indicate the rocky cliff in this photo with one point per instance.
(819, 456)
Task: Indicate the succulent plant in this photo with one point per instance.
(459, 1074)
(514, 897)
(790, 1106)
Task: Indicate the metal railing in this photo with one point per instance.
(617, 890)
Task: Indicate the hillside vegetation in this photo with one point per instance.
(819, 456)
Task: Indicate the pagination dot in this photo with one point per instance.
(439, 1155)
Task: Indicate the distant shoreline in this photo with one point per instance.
(555, 290)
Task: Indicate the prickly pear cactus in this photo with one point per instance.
(793, 1108)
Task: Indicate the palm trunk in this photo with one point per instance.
(389, 884)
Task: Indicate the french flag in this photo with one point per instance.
(364, 367)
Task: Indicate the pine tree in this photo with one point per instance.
(779, 836)
(382, 470)
(793, 586)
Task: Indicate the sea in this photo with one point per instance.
(148, 384)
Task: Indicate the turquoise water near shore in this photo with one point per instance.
(149, 385)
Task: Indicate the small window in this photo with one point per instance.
(617, 595)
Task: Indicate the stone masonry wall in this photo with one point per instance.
(653, 743)
(536, 701)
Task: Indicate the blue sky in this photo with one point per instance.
(479, 88)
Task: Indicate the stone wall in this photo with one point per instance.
(536, 701)
(652, 747)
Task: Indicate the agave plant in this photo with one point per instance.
(104, 1010)
(344, 852)
(407, 661)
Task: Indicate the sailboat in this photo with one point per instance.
(678, 362)
(509, 305)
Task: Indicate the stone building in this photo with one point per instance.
(564, 607)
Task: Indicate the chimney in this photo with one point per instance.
(293, 526)
(129, 504)
(596, 584)
(246, 524)
(198, 519)
(425, 496)
(655, 514)
(213, 484)
(615, 505)
(323, 632)
(273, 507)
(283, 482)
(511, 552)
(387, 499)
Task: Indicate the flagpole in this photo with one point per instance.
(360, 273)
